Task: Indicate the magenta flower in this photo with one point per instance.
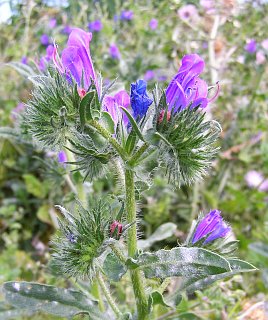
(95, 26)
(211, 226)
(49, 52)
(126, 15)
(186, 88)
(76, 60)
(251, 46)
(44, 39)
(153, 24)
(112, 105)
(42, 65)
(114, 52)
(149, 75)
(188, 12)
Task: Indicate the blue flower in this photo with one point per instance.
(139, 99)
(212, 226)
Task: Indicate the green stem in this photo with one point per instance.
(107, 135)
(108, 296)
(139, 153)
(137, 277)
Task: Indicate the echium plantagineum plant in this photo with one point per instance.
(121, 133)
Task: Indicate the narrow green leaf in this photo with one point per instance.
(57, 301)
(108, 122)
(133, 123)
(25, 70)
(84, 108)
(182, 261)
(157, 298)
(131, 141)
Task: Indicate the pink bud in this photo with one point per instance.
(162, 114)
(82, 92)
(116, 226)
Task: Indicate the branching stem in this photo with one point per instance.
(138, 153)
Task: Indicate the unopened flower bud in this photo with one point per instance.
(116, 228)
(82, 92)
(162, 114)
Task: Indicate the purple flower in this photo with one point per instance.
(62, 157)
(162, 78)
(76, 60)
(208, 5)
(42, 64)
(188, 12)
(251, 46)
(126, 15)
(186, 88)
(18, 109)
(24, 60)
(52, 23)
(211, 226)
(255, 179)
(95, 26)
(114, 51)
(153, 24)
(112, 106)
(67, 30)
(44, 39)
(139, 98)
(149, 75)
(49, 52)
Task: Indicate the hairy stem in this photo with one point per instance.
(120, 255)
(108, 296)
(136, 275)
(139, 153)
(107, 135)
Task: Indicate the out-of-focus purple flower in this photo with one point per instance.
(42, 64)
(95, 26)
(67, 30)
(52, 23)
(188, 12)
(62, 157)
(186, 88)
(126, 15)
(212, 226)
(149, 75)
(264, 44)
(251, 46)
(208, 5)
(114, 51)
(49, 52)
(24, 60)
(112, 105)
(75, 58)
(18, 109)
(260, 57)
(44, 39)
(153, 24)
(139, 98)
(255, 179)
(162, 78)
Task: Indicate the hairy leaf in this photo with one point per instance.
(57, 301)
